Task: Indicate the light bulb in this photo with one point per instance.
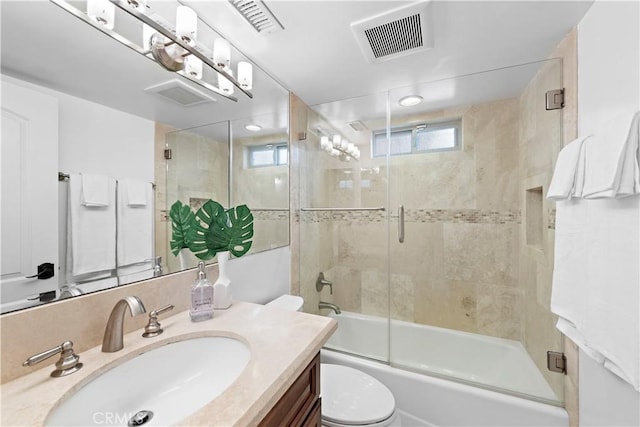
(324, 142)
(245, 75)
(225, 84)
(102, 11)
(222, 53)
(186, 24)
(193, 67)
(337, 141)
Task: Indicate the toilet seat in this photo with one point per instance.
(352, 398)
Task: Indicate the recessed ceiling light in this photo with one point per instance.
(253, 128)
(410, 100)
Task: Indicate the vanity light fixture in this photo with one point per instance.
(176, 50)
(410, 100)
(253, 128)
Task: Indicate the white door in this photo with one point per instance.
(29, 198)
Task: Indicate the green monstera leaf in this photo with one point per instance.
(233, 231)
(182, 221)
(205, 221)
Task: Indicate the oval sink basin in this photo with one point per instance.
(160, 387)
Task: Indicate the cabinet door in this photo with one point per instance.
(29, 202)
(296, 408)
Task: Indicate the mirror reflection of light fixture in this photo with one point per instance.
(167, 46)
(337, 146)
(224, 84)
(222, 53)
(186, 24)
(138, 4)
(193, 67)
(103, 12)
(245, 74)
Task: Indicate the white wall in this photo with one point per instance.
(608, 83)
(261, 277)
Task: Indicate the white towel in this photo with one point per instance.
(135, 229)
(96, 285)
(95, 190)
(135, 273)
(596, 281)
(91, 234)
(565, 181)
(611, 168)
(135, 191)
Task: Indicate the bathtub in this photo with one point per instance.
(432, 400)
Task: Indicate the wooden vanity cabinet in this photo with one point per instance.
(300, 406)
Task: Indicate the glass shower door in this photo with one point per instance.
(471, 234)
(343, 216)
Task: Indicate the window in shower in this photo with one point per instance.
(268, 155)
(423, 138)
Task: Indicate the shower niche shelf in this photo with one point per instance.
(534, 217)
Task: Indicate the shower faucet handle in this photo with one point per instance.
(321, 282)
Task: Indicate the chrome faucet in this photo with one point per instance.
(330, 306)
(113, 333)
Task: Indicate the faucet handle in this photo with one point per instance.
(153, 327)
(322, 282)
(67, 364)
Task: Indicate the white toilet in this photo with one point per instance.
(352, 398)
(349, 396)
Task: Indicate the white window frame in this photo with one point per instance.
(455, 124)
(275, 151)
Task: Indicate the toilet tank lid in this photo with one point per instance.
(287, 302)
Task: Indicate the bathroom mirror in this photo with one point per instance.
(117, 112)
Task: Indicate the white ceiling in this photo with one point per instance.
(316, 55)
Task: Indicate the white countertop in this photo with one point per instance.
(282, 344)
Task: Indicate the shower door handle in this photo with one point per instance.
(401, 224)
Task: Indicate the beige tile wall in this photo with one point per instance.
(262, 188)
(458, 267)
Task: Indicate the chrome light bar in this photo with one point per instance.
(168, 34)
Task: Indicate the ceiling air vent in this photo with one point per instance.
(258, 15)
(180, 93)
(396, 33)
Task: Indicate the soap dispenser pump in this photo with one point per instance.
(222, 286)
(201, 307)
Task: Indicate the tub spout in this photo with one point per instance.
(330, 306)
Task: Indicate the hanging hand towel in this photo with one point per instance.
(566, 181)
(596, 281)
(91, 236)
(135, 228)
(611, 168)
(95, 190)
(135, 191)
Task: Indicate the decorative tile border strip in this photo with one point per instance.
(258, 214)
(462, 216)
(270, 214)
(468, 216)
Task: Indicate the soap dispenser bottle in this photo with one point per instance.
(201, 307)
(222, 287)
